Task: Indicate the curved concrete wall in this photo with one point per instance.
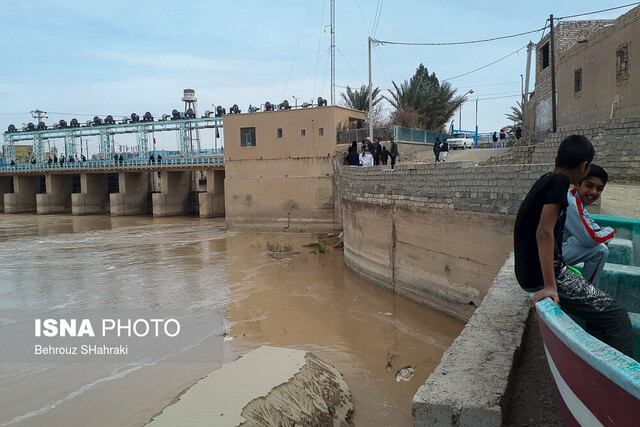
(436, 233)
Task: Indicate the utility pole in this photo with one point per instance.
(370, 115)
(526, 79)
(39, 114)
(333, 52)
(553, 76)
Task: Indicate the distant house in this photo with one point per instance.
(566, 35)
(597, 73)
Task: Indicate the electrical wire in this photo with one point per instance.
(598, 11)
(322, 27)
(363, 20)
(377, 21)
(383, 42)
(349, 64)
(297, 47)
(485, 66)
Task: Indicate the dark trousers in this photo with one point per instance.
(605, 319)
(437, 153)
(376, 160)
(393, 161)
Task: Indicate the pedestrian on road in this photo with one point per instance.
(495, 140)
(384, 157)
(393, 152)
(445, 150)
(436, 148)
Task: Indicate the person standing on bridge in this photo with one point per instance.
(152, 159)
(115, 159)
(121, 160)
(61, 160)
(159, 159)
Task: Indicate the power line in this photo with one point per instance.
(363, 20)
(297, 47)
(383, 42)
(349, 64)
(485, 66)
(490, 84)
(598, 11)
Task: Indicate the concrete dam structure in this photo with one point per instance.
(133, 188)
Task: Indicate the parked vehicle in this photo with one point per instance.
(596, 384)
(461, 140)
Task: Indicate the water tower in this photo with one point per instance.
(190, 103)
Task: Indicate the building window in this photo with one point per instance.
(545, 56)
(303, 132)
(321, 131)
(622, 61)
(279, 133)
(248, 137)
(577, 80)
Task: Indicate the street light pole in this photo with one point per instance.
(476, 123)
(460, 117)
(370, 115)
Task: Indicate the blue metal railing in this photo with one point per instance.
(101, 164)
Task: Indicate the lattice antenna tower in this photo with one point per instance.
(190, 101)
(333, 52)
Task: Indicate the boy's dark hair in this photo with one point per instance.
(573, 151)
(597, 172)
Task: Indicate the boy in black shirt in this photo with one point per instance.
(539, 265)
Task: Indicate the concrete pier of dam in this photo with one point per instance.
(120, 191)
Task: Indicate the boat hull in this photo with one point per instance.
(596, 385)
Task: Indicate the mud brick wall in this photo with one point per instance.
(616, 141)
(460, 186)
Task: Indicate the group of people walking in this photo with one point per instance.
(441, 147)
(372, 153)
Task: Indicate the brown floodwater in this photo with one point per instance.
(300, 299)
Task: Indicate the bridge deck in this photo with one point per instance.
(102, 166)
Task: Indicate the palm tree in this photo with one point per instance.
(515, 116)
(423, 102)
(358, 99)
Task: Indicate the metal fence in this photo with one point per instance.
(346, 136)
(100, 164)
(403, 134)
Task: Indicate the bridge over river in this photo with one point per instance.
(175, 186)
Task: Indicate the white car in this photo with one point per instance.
(461, 140)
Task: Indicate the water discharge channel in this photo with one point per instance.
(299, 299)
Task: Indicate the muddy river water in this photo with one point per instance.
(300, 299)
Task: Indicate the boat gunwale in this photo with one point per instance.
(619, 368)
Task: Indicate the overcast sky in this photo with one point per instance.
(85, 58)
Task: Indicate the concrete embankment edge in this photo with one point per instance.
(470, 386)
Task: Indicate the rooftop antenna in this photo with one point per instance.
(333, 52)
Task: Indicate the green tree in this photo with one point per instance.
(515, 116)
(423, 101)
(358, 99)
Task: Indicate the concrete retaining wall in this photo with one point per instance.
(470, 386)
(436, 233)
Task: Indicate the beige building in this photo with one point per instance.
(600, 75)
(566, 34)
(595, 77)
(279, 171)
